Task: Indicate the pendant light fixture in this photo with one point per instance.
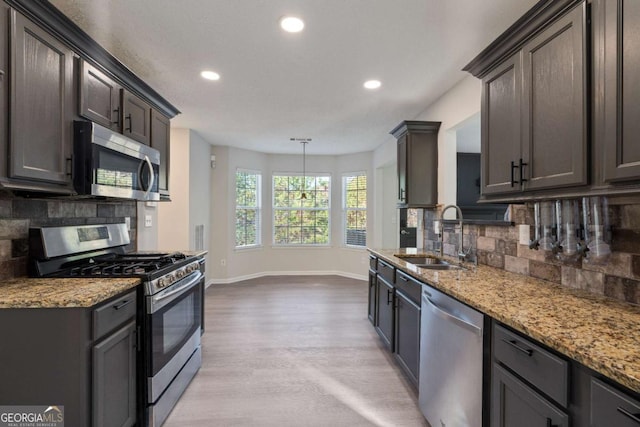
(303, 196)
(304, 142)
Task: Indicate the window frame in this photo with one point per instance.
(258, 209)
(275, 209)
(346, 209)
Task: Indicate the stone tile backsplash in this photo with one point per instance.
(498, 246)
(18, 214)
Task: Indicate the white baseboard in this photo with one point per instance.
(285, 273)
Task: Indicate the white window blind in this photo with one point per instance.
(354, 209)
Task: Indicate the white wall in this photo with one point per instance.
(454, 107)
(173, 224)
(246, 263)
(190, 189)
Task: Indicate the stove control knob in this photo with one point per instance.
(180, 273)
(161, 283)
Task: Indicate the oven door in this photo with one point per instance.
(173, 330)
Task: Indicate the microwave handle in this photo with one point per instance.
(151, 176)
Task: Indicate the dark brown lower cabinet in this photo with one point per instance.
(514, 404)
(384, 314)
(81, 358)
(407, 335)
(372, 297)
(611, 407)
(114, 378)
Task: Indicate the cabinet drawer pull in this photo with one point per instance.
(1, 73)
(634, 417)
(521, 167)
(514, 344)
(404, 279)
(119, 306)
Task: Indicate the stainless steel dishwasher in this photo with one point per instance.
(450, 385)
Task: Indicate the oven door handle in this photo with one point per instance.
(160, 300)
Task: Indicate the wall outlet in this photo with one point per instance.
(148, 221)
(223, 262)
(524, 233)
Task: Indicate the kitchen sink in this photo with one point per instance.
(430, 263)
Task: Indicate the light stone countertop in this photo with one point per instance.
(601, 333)
(27, 292)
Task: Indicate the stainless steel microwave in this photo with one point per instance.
(106, 163)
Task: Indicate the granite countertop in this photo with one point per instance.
(601, 333)
(27, 292)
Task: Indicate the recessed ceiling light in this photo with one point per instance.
(372, 84)
(210, 75)
(291, 24)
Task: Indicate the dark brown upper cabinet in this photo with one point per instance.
(554, 101)
(41, 105)
(501, 130)
(417, 163)
(534, 111)
(136, 117)
(160, 137)
(535, 98)
(616, 29)
(99, 97)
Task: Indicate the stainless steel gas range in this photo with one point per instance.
(169, 308)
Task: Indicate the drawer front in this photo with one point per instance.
(373, 263)
(546, 371)
(409, 286)
(387, 271)
(611, 407)
(111, 315)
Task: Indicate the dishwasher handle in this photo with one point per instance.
(448, 316)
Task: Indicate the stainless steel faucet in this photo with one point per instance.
(461, 254)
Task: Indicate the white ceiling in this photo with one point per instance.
(276, 85)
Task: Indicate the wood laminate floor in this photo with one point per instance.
(294, 351)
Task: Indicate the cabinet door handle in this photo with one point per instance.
(1, 73)
(402, 193)
(69, 166)
(117, 111)
(128, 117)
(550, 423)
(634, 417)
(119, 306)
(521, 167)
(514, 344)
(389, 296)
(513, 166)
